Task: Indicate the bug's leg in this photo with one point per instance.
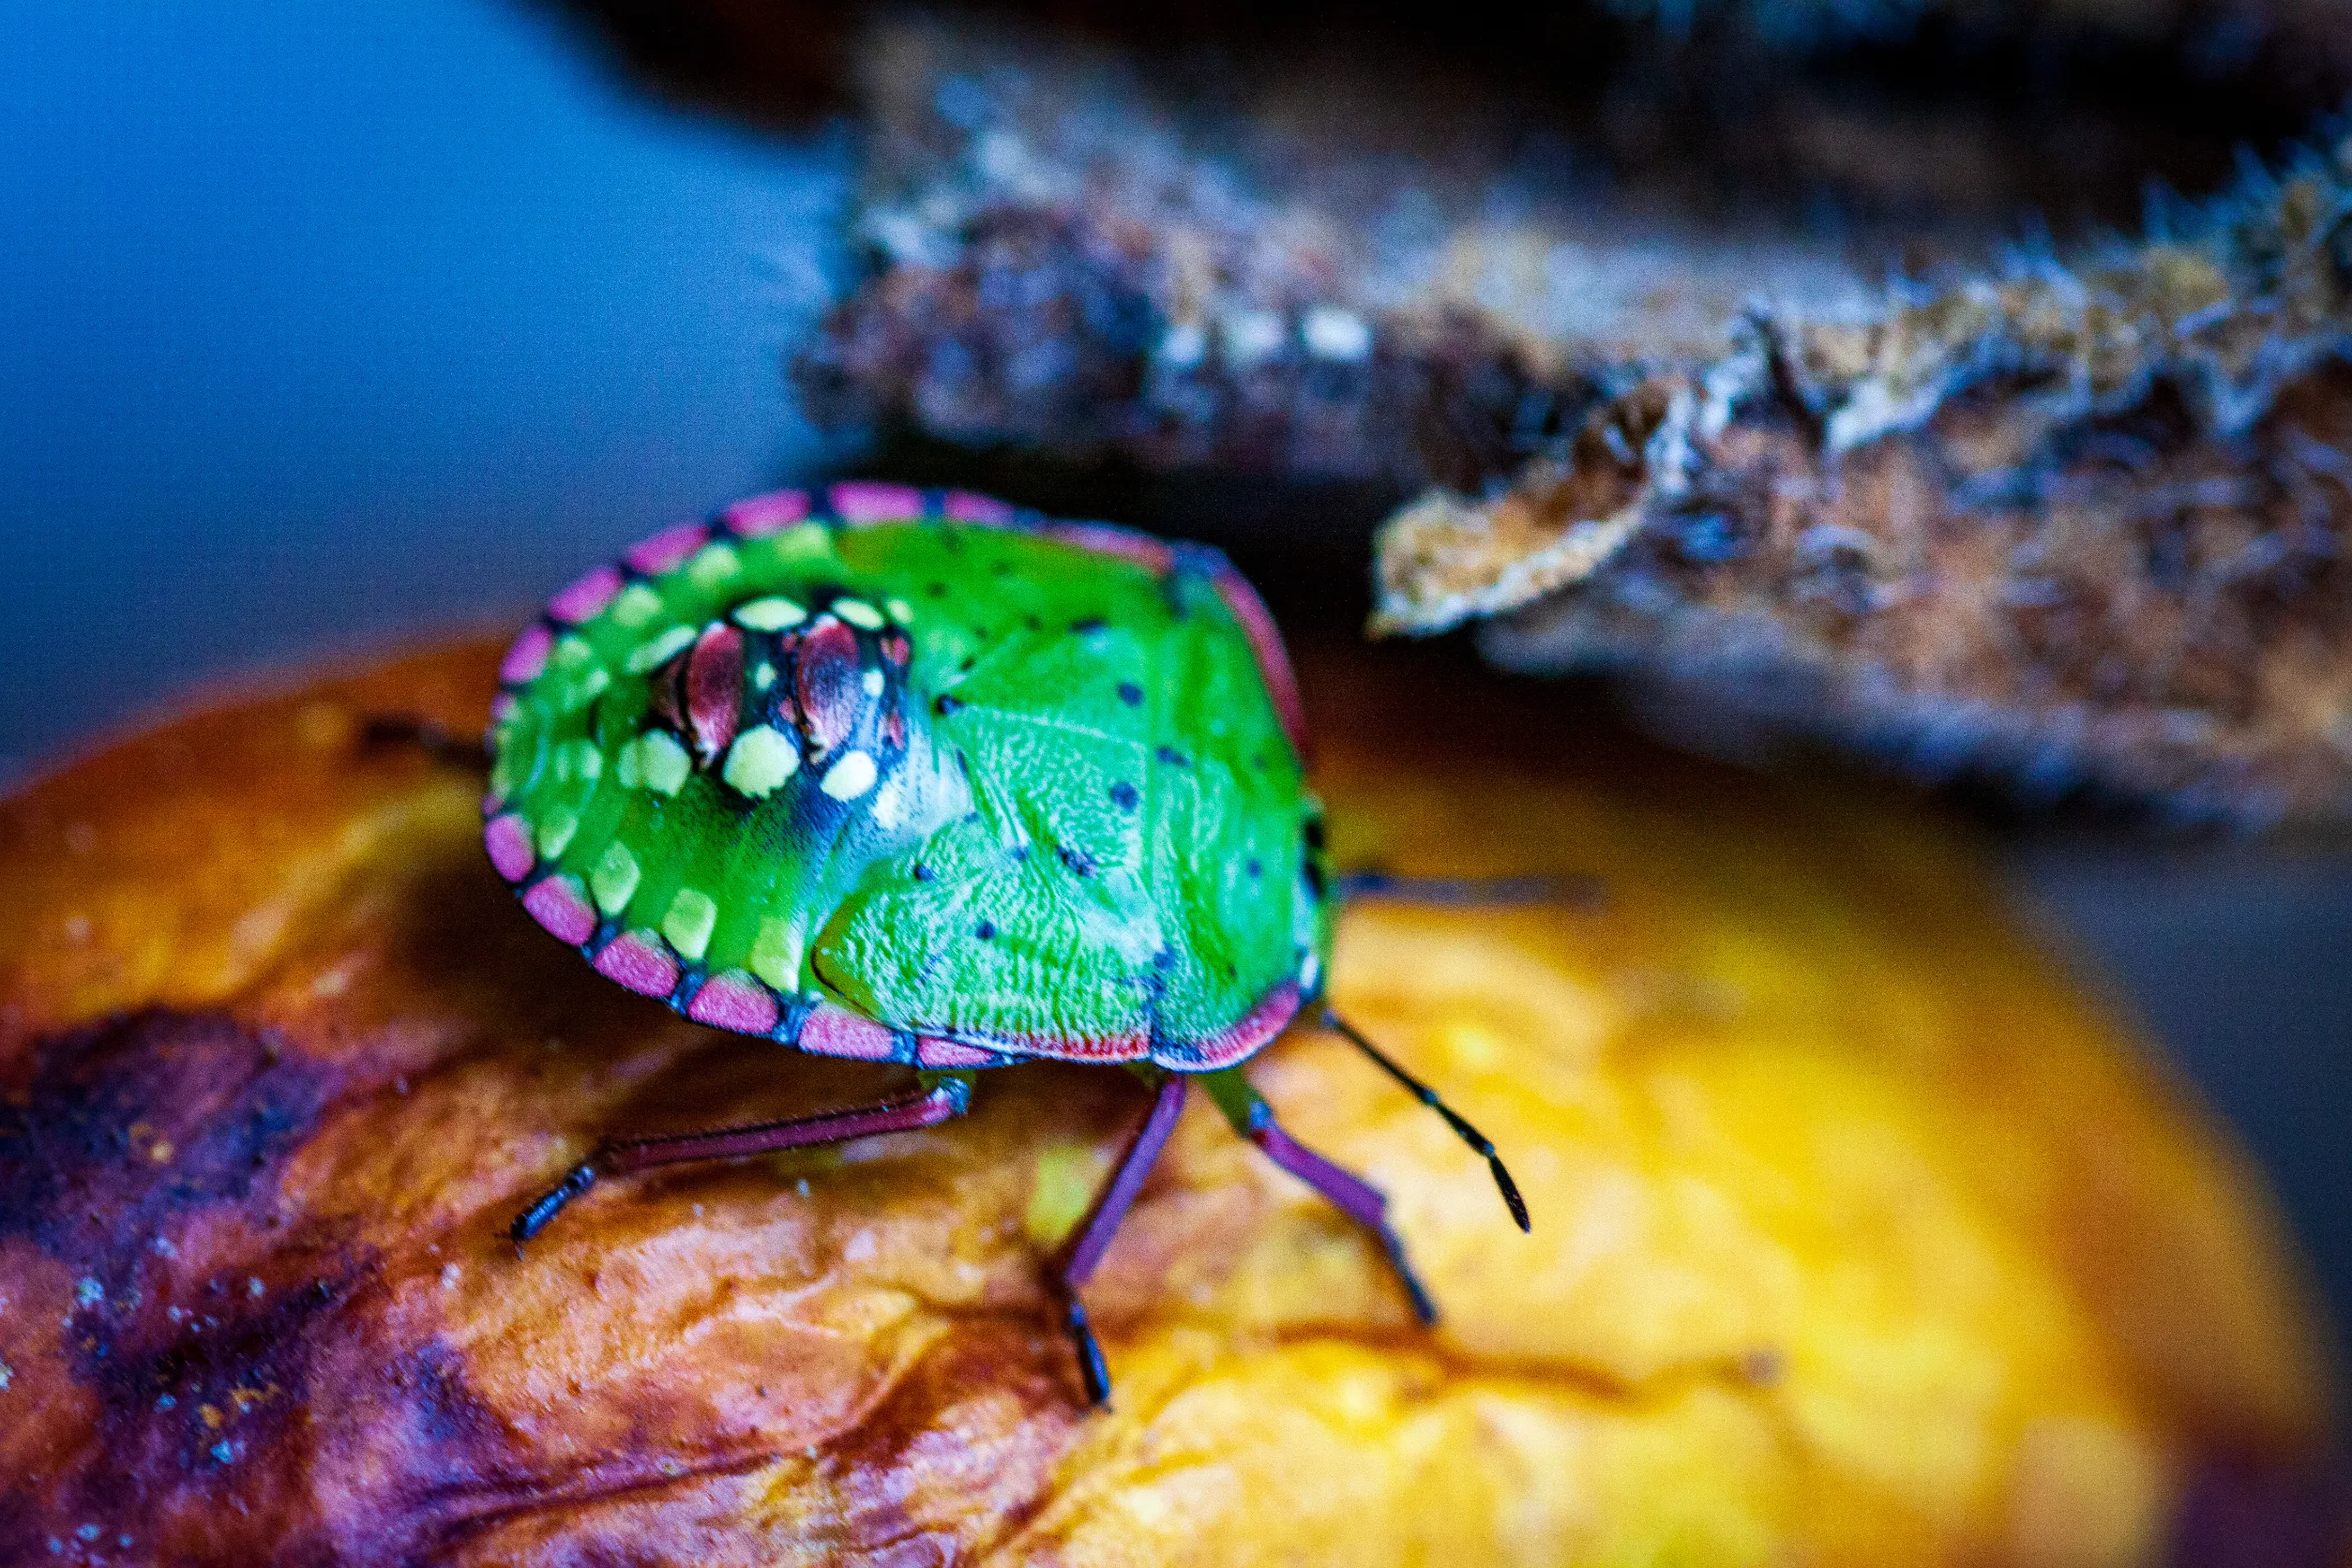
(1079, 1256)
(1460, 892)
(1354, 1196)
(940, 1097)
(1428, 1097)
(437, 741)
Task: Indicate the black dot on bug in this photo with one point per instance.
(1131, 693)
(1258, 761)
(1075, 860)
(1123, 795)
(1255, 867)
(1172, 756)
(922, 872)
(937, 590)
(1165, 960)
(1089, 625)
(1018, 852)
(985, 930)
(1033, 623)
(945, 706)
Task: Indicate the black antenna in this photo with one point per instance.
(1428, 1097)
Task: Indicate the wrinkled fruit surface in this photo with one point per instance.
(1859, 1237)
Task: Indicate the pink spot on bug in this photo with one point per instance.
(931, 1053)
(1105, 538)
(756, 517)
(837, 1032)
(1240, 1039)
(713, 689)
(987, 510)
(641, 961)
(528, 656)
(828, 683)
(561, 904)
(586, 597)
(665, 550)
(1273, 659)
(508, 840)
(863, 501)
(733, 999)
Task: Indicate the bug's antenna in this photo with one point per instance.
(1428, 1097)
(435, 740)
(1469, 892)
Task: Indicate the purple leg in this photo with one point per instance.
(1092, 1239)
(939, 1099)
(1350, 1194)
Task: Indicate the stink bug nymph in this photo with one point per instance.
(916, 777)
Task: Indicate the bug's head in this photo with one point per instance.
(806, 705)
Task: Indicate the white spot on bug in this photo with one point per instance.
(762, 676)
(451, 1273)
(1251, 337)
(775, 954)
(761, 759)
(861, 1247)
(556, 826)
(1332, 333)
(890, 805)
(850, 778)
(570, 652)
(656, 651)
(614, 880)
(689, 924)
(858, 613)
(1311, 970)
(577, 694)
(872, 682)
(654, 761)
(773, 613)
(578, 761)
(900, 610)
(713, 564)
(636, 606)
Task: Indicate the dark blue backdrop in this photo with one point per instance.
(326, 324)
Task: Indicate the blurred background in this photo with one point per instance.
(325, 328)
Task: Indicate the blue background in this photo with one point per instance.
(325, 327)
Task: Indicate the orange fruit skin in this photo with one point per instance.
(1861, 1236)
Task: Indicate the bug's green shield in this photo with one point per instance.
(895, 773)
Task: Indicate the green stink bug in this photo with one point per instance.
(915, 777)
